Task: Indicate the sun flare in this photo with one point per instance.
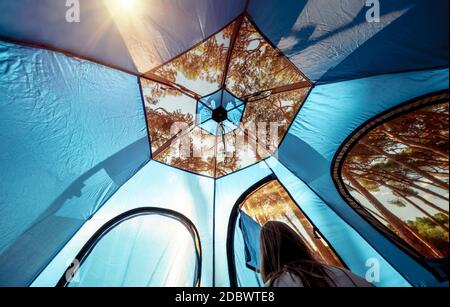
(126, 4)
(121, 6)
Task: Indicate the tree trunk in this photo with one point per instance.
(441, 183)
(402, 180)
(431, 217)
(417, 145)
(288, 219)
(400, 191)
(172, 140)
(410, 236)
(325, 252)
(429, 203)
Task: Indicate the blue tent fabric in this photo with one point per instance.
(65, 149)
(159, 186)
(348, 243)
(331, 41)
(250, 230)
(228, 190)
(74, 146)
(333, 111)
(45, 24)
(330, 114)
(140, 251)
(328, 41)
(246, 277)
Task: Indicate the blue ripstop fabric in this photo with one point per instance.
(333, 41)
(178, 24)
(329, 115)
(71, 133)
(250, 231)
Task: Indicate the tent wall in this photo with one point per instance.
(245, 277)
(332, 41)
(357, 254)
(65, 149)
(355, 251)
(228, 190)
(156, 185)
(328, 40)
(150, 250)
(330, 114)
(167, 28)
(73, 132)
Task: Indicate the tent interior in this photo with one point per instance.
(148, 142)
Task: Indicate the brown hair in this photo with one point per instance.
(284, 251)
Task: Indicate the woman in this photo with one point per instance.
(287, 262)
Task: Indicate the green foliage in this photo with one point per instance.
(369, 185)
(432, 232)
(401, 163)
(397, 202)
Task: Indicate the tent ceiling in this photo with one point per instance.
(256, 93)
(328, 40)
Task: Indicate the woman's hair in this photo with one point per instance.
(284, 251)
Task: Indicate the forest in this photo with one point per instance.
(399, 173)
(271, 202)
(238, 59)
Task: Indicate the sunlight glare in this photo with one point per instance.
(125, 4)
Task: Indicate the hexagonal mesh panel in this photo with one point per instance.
(224, 104)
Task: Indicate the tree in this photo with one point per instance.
(278, 108)
(256, 66)
(160, 124)
(404, 163)
(271, 202)
(237, 58)
(401, 228)
(205, 62)
(427, 228)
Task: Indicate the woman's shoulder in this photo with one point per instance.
(339, 277)
(345, 278)
(286, 280)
